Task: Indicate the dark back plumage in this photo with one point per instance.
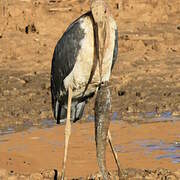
(63, 61)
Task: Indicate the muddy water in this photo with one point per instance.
(141, 146)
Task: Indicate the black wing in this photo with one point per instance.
(63, 61)
(115, 53)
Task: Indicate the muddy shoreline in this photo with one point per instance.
(129, 174)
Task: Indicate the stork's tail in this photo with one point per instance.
(77, 109)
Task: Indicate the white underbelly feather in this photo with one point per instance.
(79, 76)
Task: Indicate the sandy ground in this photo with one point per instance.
(146, 77)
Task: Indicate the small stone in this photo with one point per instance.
(48, 173)
(22, 81)
(45, 86)
(43, 114)
(22, 177)
(36, 39)
(3, 174)
(177, 173)
(175, 113)
(138, 94)
(171, 177)
(121, 93)
(130, 109)
(36, 176)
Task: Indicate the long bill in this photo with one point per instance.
(100, 14)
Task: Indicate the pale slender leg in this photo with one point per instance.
(114, 154)
(67, 131)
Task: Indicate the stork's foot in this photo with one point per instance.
(111, 176)
(106, 175)
(121, 175)
(62, 175)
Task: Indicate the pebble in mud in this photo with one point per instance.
(48, 174)
(121, 93)
(45, 86)
(129, 174)
(3, 174)
(177, 173)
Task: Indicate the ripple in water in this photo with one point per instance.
(172, 150)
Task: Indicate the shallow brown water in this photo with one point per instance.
(140, 146)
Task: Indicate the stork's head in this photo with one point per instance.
(99, 10)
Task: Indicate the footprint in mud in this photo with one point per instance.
(30, 28)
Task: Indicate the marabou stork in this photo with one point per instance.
(83, 60)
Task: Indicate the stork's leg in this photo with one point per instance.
(102, 122)
(114, 154)
(67, 131)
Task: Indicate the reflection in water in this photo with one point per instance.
(167, 150)
(119, 148)
(47, 123)
(142, 117)
(166, 114)
(115, 117)
(155, 117)
(90, 118)
(172, 150)
(28, 126)
(149, 115)
(174, 157)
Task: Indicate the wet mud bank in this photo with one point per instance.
(145, 77)
(127, 174)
